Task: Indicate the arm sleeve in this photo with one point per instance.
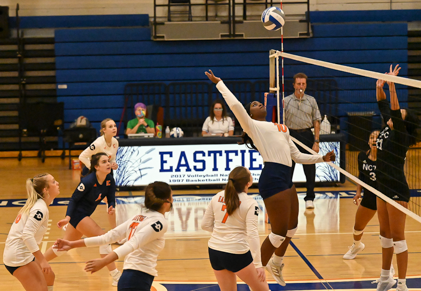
(84, 187)
(85, 156)
(113, 235)
(231, 124)
(237, 108)
(141, 238)
(208, 219)
(384, 108)
(253, 234)
(301, 158)
(111, 192)
(205, 126)
(35, 219)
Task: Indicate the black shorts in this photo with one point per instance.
(369, 200)
(274, 179)
(231, 262)
(13, 269)
(133, 280)
(396, 188)
(77, 216)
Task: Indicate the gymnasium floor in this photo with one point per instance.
(313, 261)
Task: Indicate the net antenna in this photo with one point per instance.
(274, 55)
(274, 82)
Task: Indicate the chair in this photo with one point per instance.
(180, 3)
(40, 119)
(77, 136)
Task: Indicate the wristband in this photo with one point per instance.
(316, 140)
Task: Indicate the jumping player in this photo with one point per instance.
(275, 184)
(392, 144)
(91, 191)
(145, 240)
(22, 256)
(232, 217)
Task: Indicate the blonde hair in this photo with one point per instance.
(34, 188)
(104, 124)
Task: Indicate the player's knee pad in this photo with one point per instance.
(400, 246)
(386, 242)
(358, 232)
(105, 249)
(276, 239)
(291, 232)
(58, 253)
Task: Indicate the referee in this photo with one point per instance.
(301, 114)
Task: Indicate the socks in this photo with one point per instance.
(112, 273)
(278, 260)
(385, 274)
(402, 282)
(357, 243)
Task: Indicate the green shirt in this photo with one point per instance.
(132, 123)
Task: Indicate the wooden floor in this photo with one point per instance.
(313, 261)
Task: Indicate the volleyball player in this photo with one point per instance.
(232, 217)
(367, 207)
(92, 189)
(106, 143)
(145, 240)
(22, 256)
(392, 144)
(275, 184)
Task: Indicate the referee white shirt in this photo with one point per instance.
(224, 125)
(99, 145)
(272, 140)
(236, 233)
(25, 235)
(145, 240)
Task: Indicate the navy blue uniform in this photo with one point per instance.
(367, 169)
(392, 146)
(88, 195)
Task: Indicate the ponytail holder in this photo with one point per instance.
(32, 180)
(232, 180)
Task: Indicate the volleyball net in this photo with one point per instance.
(347, 96)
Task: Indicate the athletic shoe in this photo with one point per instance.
(401, 287)
(386, 285)
(276, 272)
(309, 204)
(116, 277)
(353, 251)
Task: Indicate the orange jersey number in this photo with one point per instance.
(224, 208)
(281, 127)
(132, 229)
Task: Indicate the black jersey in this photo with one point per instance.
(392, 146)
(367, 171)
(90, 193)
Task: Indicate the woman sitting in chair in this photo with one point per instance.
(218, 122)
(140, 124)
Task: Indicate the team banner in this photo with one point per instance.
(202, 164)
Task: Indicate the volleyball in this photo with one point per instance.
(176, 132)
(273, 18)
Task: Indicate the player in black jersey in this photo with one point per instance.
(92, 189)
(392, 144)
(367, 208)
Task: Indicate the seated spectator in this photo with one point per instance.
(140, 124)
(218, 123)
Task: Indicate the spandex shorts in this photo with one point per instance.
(231, 262)
(274, 179)
(134, 280)
(13, 269)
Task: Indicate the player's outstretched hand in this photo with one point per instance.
(261, 274)
(62, 245)
(95, 265)
(212, 77)
(329, 157)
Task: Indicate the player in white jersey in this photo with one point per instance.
(22, 256)
(108, 144)
(145, 240)
(275, 184)
(234, 247)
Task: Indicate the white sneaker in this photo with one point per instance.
(385, 285)
(309, 204)
(353, 251)
(276, 272)
(401, 287)
(116, 277)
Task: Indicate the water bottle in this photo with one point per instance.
(158, 130)
(167, 132)
(325, 126)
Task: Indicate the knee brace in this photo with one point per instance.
(386, 242)
(291, 232)
(400, 246)
(105, 249)
(358, 232)
(58, 253)
(276, 239)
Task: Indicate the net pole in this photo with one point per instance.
(283, 85)
(277, 90)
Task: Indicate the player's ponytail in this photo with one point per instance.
(237, 181)
(34, 189)
(156, 195)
